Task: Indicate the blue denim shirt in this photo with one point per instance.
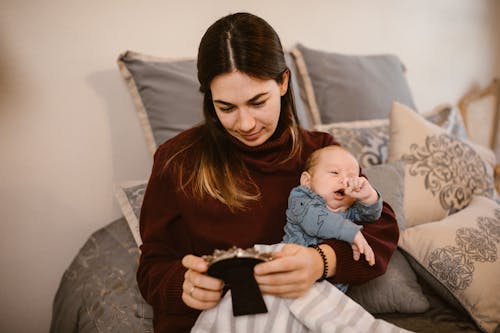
(309, 220)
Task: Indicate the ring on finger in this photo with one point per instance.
(192, 290)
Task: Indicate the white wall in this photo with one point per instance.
(68, 129)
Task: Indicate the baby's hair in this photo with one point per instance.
(312, 160)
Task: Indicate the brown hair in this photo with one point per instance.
(246, 43)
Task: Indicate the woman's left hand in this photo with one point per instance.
(291, 273)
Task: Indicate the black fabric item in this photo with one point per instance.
(237, 273)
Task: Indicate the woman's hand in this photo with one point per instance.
(292, 271)
(199, 291)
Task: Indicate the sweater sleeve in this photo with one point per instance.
(382, 236)
(160, 274)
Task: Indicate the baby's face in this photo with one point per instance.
(328, 177)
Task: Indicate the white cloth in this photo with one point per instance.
(323, 308)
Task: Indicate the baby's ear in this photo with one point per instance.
(305, 179)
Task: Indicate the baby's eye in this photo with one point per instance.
(334, 172)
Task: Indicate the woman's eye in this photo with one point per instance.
(261, 103)
(227, 109)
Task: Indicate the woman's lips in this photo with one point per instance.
(251, 137)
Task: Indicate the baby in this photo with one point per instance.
(330, 197)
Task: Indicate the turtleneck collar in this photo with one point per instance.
(269, 156)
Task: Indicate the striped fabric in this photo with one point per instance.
(323, 308)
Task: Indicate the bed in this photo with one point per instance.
(442, 278)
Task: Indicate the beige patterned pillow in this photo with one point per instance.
(459, 257)
(442, 173)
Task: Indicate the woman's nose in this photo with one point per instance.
(246, 120)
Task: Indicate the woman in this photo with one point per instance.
(227, 182)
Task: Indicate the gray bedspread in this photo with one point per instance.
(98, 293)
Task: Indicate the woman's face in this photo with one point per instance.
(248, 108)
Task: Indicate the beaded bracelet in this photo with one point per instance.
(325, 262)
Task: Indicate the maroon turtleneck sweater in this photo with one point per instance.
(173, 225)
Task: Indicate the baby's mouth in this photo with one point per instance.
(339, 193)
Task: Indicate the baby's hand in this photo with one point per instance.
(360, 245)
(360, 188)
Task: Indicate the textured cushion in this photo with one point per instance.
(395, 291)
(350, 87)
(368, 140)
(130, 195)
(459, 257)
(441, 172)
(166, 94)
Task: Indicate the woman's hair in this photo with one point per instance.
(238, 42)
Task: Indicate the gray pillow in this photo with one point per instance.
(397, 290)
(351, 87)
(388, 180)
(166, 94)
